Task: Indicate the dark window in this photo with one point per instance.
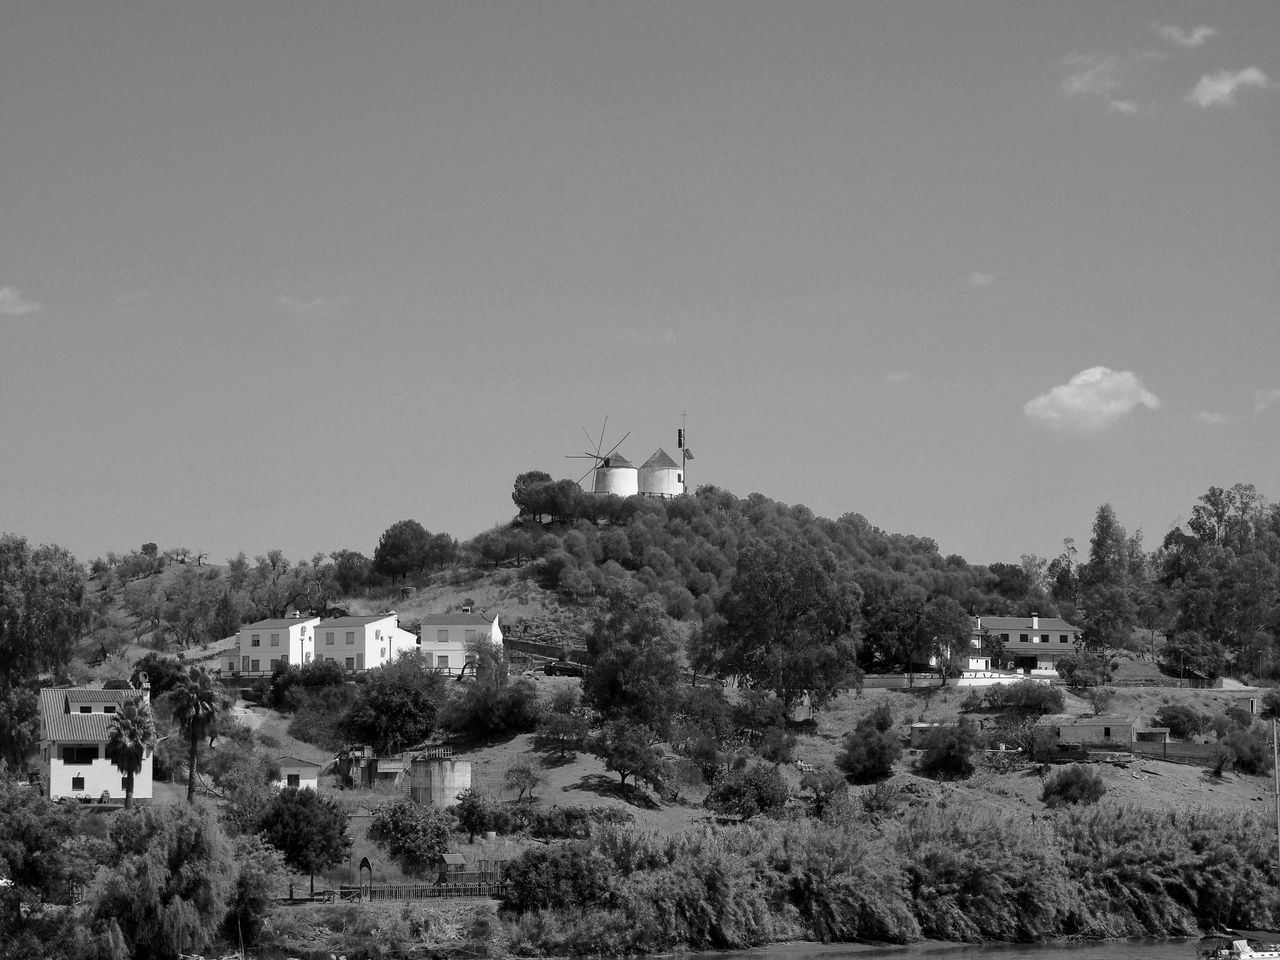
(86, 709)
(77, 783)
(351, 663)
(1063, 638)
(1004, 637)
(1106, 733)
(1044, 638)
(109, 708)
(294, 779)
(255, 666)
(255, 640)
(1022, 638)
(80, 755)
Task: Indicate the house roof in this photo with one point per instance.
(1072, 720)
(660, 461)
(457, 620)
(353, 621)
(293, 763)
(1044, 624)
(280, 623)
(454, 859)
(61, 723)
(615, 460)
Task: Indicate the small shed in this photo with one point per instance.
(1097, 731)
(1151, 734)
(298, 773)
(452, 867)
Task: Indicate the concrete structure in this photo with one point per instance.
(448, 639)
(438, 781)
(268, 643)
(1064, 730)
(661, 477)
(1034, 643)
(362, 643)
(616, 474)
(74, 726)
(298, 773)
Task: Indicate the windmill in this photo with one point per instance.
(613, 472)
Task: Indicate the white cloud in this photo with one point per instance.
(1265, 398)
(1185, 38)
(897, 376)
(1212, 419)
(1219, 89)
(977, 279)
(1098, 77)
(12, 304)
(1092, 400)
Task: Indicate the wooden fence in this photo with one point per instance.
(420, 891)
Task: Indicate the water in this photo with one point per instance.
(1088, 950)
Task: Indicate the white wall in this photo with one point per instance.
(98, 776)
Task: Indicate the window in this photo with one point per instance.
(273, 665)
(1004, 637)
(275, 639)
(306, 657)
(1063, 638)
(351, 663)
(77, 783)
(382, 653)
(351, 636)
(109, 708)
(255, 640)
(1044, 638)
(442, 662)
(442, 636)
(293, 779)
(328, 638)
(231, 666)
(1106, 733)
(86, 709)
(255, 666)
(1022, 638)
(469, 636)
(80, 755)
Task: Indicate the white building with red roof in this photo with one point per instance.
(363, 643)
(265, 645)
(74, 725)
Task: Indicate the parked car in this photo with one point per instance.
(563, 668)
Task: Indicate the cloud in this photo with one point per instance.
(977, 279)
(1265, 398)
(1212, 419)
(1092, 400)
(12, 304)
(897, 376)
(1098, 77)
(1219, 89)
(1185, 38)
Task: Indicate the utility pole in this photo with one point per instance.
(1275, 772)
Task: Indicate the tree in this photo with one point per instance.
(563, 733)
(130, 736)
(636, 671)
(748, 793)
(260, 871)
(629, 751)
(168, 891)
(1106, 583)
(522, 778)
(948, 751)
(528, 494)
(566, 877)
(475, 812)
(42, 609)
(1086, 669)
(788, 623)
(871, 749)
(1182, 721)
(36, 852)
(309, 829)
(402, 549)
(196, 703)
(397, 704)
(351, 570)
(1073, 785)
(414, 835)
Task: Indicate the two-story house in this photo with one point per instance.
(74, 726)
(267, 644)
(1035, 644)
(449, 639)
(362, 643)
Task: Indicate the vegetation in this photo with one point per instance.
(1073, 784)
(309, 829)
(131, 734)
(871, 749)
(415, 835)
(196, 703)
(948, 751)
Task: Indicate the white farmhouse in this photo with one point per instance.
(74, 725)
(448, 638)
(302, 774)
(362, 643)
(268, 643)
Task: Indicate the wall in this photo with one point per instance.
(99, 775)
(438, 782)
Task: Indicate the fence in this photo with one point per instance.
(420, 891)
(1177, 752)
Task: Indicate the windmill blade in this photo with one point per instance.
(600, 442)
(589, 440)
(585, 475)
(618, 444)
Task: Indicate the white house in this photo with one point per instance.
(298, 773)
(1034, 643)
(74, 725)
(268, 643)
(447, 637)
(362, 643)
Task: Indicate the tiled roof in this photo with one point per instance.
(293, 763)
(455, 620)
(60, 723)
(352, 621)
(1045, 624)
(660, 461)
(616, 460)
(280, 623)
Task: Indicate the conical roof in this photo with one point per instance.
(660, 461)
(616, 460)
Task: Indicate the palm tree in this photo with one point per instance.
(195, 708)
(131, 735)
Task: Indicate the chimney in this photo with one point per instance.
(1035, 621)
(979, 619)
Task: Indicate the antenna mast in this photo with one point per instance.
(685, 455)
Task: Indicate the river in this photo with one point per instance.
(1089, 950)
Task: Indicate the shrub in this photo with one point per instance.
(1026, 696)
(1250, 752)
(948, 751)
(747, 793)
(871, 750)
(1074, 784)
(475, 813)
(565, 877)
(413, 834)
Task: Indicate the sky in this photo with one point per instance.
(279, 274)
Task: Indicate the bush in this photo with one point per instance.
(747, 793)
(1075, 784)
(566, 877)
(1183, 722)
(1251, 753)
(872, 749)
(1026, 696)
(948, 751)
(414, 835)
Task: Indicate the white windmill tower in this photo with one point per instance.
(614, 473)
